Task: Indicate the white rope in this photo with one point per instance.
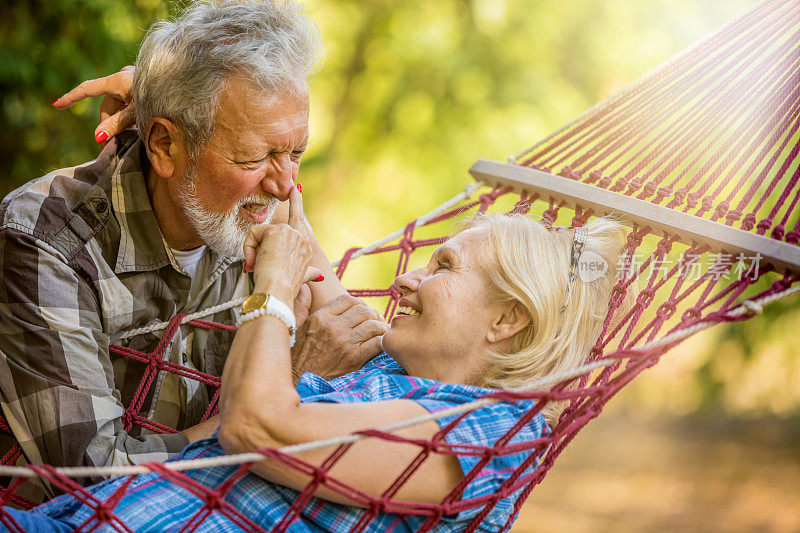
(747, 306)
(157, 326)
(446, 206)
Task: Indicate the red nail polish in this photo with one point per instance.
(300, 189)
(319, 278)
(54, 101)
(101, 136)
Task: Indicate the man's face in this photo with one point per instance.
(249, 165)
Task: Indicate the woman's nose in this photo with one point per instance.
(407, 282)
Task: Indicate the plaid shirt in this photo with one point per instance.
(152, 503)
(83, 260)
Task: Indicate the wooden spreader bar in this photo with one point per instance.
(688, 228)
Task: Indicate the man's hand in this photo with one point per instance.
(302, 303)
(338, 338)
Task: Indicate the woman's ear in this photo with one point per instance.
(511, 321)
(165, 148)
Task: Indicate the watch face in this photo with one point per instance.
(255, 301)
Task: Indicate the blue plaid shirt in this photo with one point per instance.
(153, 503)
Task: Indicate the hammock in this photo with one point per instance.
(699, 156)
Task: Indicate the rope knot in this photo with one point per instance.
(634, 186)
(665, 310)
(486, 200)
(490, 452)
(645, 298)
(127, 419)
(764, 225)
(649, 189)
(634, 239)
(663, 192)
(408, 245)
(376, 506)
(691, 314)
(594, 176)
(793, 237)
(733, 215)
(580, 218)
(620, 184)
(103, 514)
(664, 247)
(680, 196)
(692, 200)
(320, 476)
(749, 221)
(721, 209)
(617, 293)
(708, 203)
(549, 216)
(604, 182)
(394, 292)
(755, 308)
(567, 172)
(779, 232)
(781, 284)
(214, 500)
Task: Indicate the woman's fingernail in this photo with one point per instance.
(319, 278)
(299, 187)
(101, 136)
(54, 101)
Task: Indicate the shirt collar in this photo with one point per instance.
(141, 245)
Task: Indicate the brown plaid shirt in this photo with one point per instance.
(83, 260)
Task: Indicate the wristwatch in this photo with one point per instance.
(260, 304)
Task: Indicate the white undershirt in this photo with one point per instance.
(189, 259)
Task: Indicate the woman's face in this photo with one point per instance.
(440, 330)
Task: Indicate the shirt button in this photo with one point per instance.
(102, 206)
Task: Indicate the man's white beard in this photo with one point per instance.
(224, 233)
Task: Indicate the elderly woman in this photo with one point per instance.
(493, 308)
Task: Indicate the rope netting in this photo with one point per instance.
(713, 131)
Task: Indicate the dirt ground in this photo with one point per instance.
(703, 474)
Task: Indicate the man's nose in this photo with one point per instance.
(280, 177)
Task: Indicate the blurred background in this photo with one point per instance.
(411, 93)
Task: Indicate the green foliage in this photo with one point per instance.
(46, 48)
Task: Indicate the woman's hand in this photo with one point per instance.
(117, 112)
(279, 254)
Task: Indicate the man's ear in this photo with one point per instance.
(511, 321)
(165, 148)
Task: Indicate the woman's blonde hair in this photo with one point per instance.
(532, 267)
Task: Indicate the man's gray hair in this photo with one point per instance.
(183, 65)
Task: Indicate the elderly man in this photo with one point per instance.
(154, 227)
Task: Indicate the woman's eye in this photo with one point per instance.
(441, 265)
(296, 156)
